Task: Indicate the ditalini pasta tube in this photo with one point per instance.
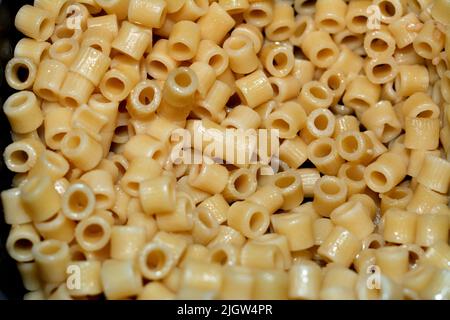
(229, 149)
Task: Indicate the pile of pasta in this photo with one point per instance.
(359, 92)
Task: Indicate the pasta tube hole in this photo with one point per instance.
(318, 93)
(21, 72)
(382, 70)
(359, 20)
(220, 257)
(257, 221)
(242, 183)
(78, 201)
(330, 187)
(378, 178)
(156, 260)
(158, 68)
(355, 173)
(147, 95)
(19, 157)
(284, 182)
(93, 233)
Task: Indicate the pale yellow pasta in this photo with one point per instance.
(23, 112)
(293, 152)
(435, 173)
(21, 241)
(215, 13)
(303, 70)
(420, 105)
(159, 63)
(320, 123)
(399, 197)
(52, 258)
(90, 283)
(399, 226)
(124, 169)
(361, 93)
(348, 62)
(381, 70)
(407, 55)
(354, 146)
(297, 227)
(288, 119)
(323, 154)
(93, 233)
(341, 246)
(191, 10)
(349, 40)
(329, 193)
(422, 133)
(357, 15)
(13, 208)
(330, 15)
(431, 228)
(200, 280)
(32, 49)
(64, 50)
(40, 198)
(20, 156)
(120, 279)
(354, 217)
(78, 201)
(58, 227)
(75, 90)
(29, 274)
(21, 73)
(393, 262)
(271, 284)
(259, 13)
(184, 40)
(251, 94)
(255, 254)
(405, 29)
(282, 25)
(379, 43)
(382, 120)
(35, 22)
(314, 95)
(429, 41)
(251, 219)
(320, 48)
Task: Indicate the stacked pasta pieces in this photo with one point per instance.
(358, 91)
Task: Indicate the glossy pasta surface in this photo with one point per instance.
(230, 149)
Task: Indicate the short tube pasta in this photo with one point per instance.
(329, 193)
(249, 218)
(20, 73)
(385, 173)
(320, 48)
(184, 40)
(35, 22)
(330, 15)
(23, 112)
